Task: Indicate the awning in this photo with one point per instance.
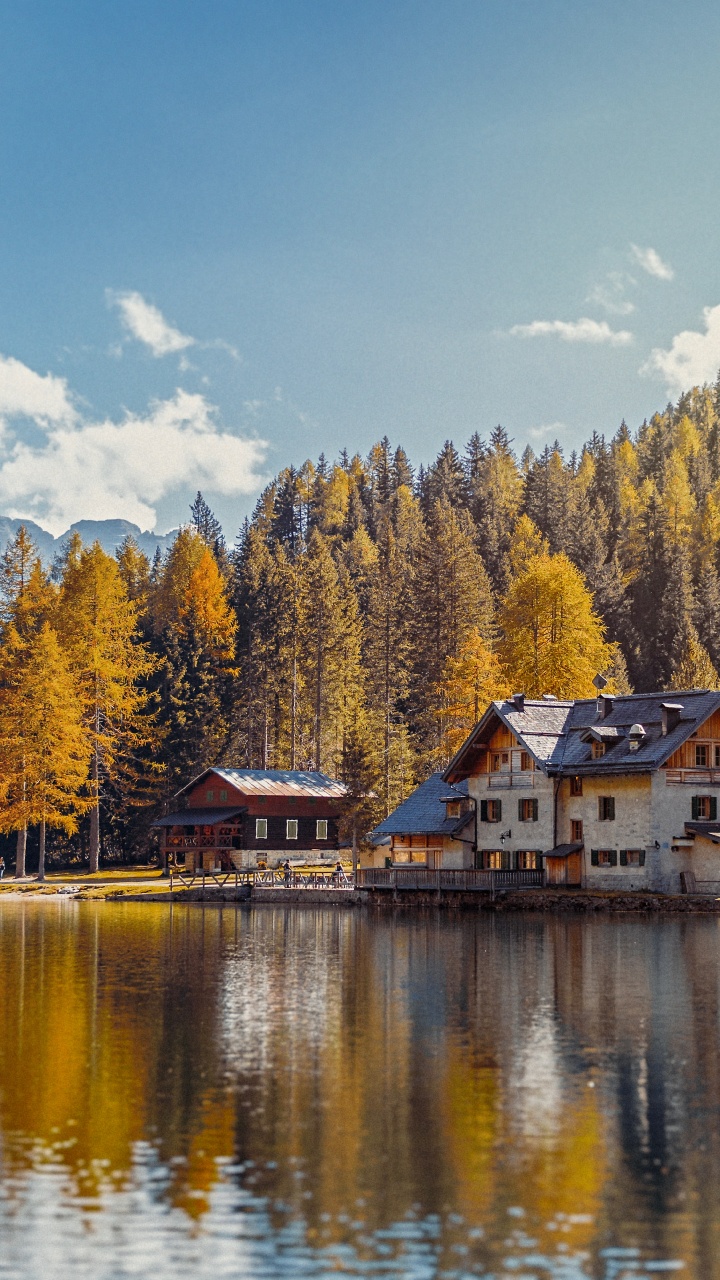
(562, 851)
(200, 817)
(707, 829)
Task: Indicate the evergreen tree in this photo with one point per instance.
(209, 529)
(694, 668)
(469, 682)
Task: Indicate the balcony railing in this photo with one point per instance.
(695, 777)
(501, 781)
(422, 879)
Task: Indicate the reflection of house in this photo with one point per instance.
(613, 792)
(237, 817)
(435, 826)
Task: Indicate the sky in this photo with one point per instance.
(236, 234)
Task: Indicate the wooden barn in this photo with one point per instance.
(238, 818)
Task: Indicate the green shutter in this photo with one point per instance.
(483, 811)
(642, 858)
(623, 857)
(593, 857)
(713, 808)
(520, 811)
(611, 807)
(499, 811)
(613, 857)
(534, 810)
(695, 807)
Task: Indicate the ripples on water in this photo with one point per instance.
(301, 1092)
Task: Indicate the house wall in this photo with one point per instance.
(630, 828)
(671, 809)
(509, 785)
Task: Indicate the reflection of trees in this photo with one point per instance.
(350, 1064)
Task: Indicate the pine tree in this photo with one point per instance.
(209, 529)
(44, 746)
(97, 624)
(694, 668)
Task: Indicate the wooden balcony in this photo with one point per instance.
(501, 781)
(693, 777)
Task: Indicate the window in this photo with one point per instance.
(576, 786)
(528, 860)
(527, 810)
(576, 831)
(223, 794)
(701, 755)
(598, 750)
(292, 829)
(603, 857)
(496, 860)
(210, 795)
(525, 761)
(261, 828)
(717, 757)
(606, 808)
(321, 829)
(500, 760)
(491, 811)
(453, 809)
(704, 808)
(632, 857)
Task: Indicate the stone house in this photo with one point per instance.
(435, 827)
(609, 793)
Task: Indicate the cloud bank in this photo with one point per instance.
(102, 469)
(692, 359)
(146, 323)
(585, 330)
(650, 261)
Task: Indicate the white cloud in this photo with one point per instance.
(610, 294)
(554, 429)
(650, 261)
(693, 358)
(146, 323)
(24, 393)
(98, 470)
(584, 330)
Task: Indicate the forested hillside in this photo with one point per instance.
(366, 614)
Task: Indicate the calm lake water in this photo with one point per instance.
(299, 1092)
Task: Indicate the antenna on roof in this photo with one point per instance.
(599, 681)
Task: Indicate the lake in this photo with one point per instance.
(300, 1092)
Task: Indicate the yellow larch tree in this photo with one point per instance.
(552, 640)
(469, 682)
(97, 624)
(44, 746)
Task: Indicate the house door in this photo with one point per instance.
(555, 870)
(434, 859)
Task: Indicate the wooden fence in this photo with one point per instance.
(420, 878)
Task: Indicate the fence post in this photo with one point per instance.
(171, 878)
(492, 885)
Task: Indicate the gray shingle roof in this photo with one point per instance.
(558, 734)
(278, 782)
(423, 813)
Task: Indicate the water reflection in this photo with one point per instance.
(306, 1092)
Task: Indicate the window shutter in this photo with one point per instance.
(499, 810)
(534, 810)
(611, 808)
(483, 811)
(642, 858)
(713, 808)
(520, 811)
(594, 858)
(613, 857)
(623, 857)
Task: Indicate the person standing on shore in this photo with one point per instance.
(2, 866)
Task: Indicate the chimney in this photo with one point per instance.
(605, 704)
(636, 736)
(671, 712)
(518, 701)
(549, 697)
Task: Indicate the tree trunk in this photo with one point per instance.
(20, 858)
(354, 849)
(41, 859)
(95, 820)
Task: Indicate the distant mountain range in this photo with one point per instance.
(109, 533)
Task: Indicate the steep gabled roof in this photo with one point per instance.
(275, 782)
(423, 813)
(558, 734)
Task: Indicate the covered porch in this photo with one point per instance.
(201, 839)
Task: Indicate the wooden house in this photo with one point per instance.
(613, 792)
(238, 818)
(434, 827)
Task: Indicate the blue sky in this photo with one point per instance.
(235, 234)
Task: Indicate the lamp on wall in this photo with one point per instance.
(506, 835)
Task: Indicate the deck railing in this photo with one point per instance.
(271, 879)
(420, 878)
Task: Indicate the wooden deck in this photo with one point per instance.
(421, 879)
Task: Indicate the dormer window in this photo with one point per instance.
(453, 808)
(598, 750)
